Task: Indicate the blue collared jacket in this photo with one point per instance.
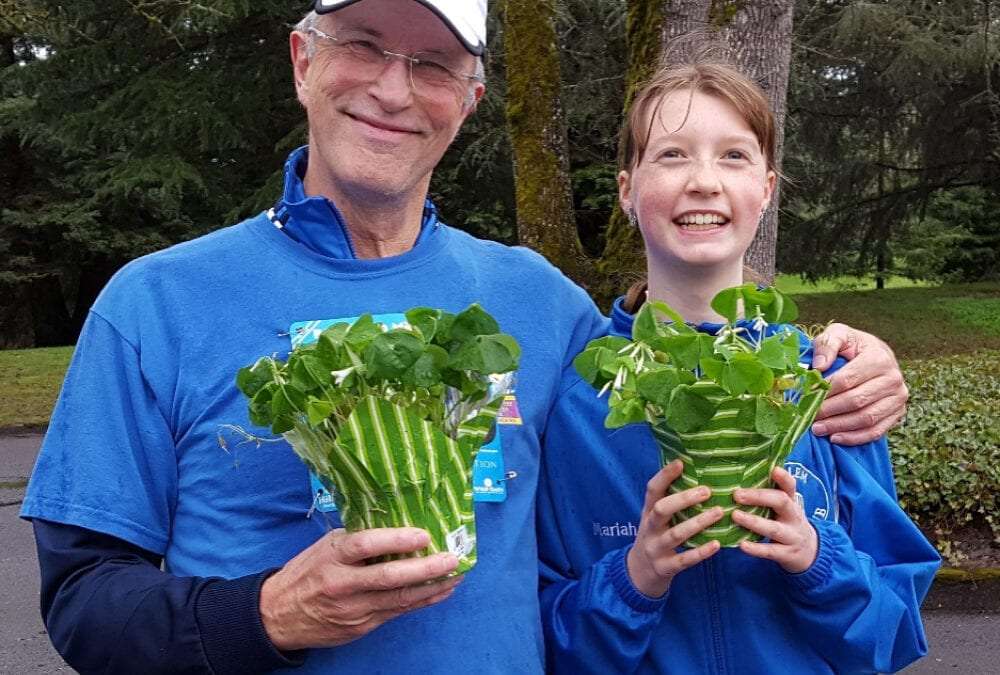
(856, 610)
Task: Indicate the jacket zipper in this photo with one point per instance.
(715, 617)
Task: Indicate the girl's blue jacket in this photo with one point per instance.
(856, 610)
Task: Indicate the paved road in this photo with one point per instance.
(963, 623)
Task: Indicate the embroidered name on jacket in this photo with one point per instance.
(616, 529)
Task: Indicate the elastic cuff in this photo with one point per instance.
(633, 597)
(232, 633)
(822, 568)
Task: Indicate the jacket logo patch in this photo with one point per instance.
(811, 493)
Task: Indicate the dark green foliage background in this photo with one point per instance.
(894, 140)
(125, 127)
(133, 132)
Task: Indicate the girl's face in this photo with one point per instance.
(701, 186)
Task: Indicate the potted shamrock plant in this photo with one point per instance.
(391, 420)
(729, 405)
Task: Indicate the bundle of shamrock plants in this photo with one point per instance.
(391, 420)
(730, 406)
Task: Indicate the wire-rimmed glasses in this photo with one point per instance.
(430, 74)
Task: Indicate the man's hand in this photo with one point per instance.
(867, 396)
(327, 595)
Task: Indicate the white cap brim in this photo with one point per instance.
(465, 18)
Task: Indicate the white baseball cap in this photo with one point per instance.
(465, 18)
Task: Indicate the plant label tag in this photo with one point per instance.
(459, 542)
(322, 499)
(307, 332)
(489, 479)
(509, 412)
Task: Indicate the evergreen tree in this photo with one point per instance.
(892, 104)
(145, 124)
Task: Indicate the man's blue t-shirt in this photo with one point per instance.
(144, 443)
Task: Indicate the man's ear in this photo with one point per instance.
(298, 45)
(477, 95)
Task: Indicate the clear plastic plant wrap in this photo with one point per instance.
(730, 406)
(390, 421)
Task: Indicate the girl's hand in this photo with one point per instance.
(794, 543)
(652, 561)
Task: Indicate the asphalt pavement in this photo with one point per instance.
(962, 620)
(24, 644)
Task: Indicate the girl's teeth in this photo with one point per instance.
(701, 221)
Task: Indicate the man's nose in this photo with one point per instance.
(393, 87)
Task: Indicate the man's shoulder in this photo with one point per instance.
(211, 248)
(514, 258)
(181, 265)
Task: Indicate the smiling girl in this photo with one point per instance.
(837, 583)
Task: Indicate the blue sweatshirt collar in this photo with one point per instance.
(621, 322)
(316, 222)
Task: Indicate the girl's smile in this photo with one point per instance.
(701, 185)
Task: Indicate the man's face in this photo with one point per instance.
(373, 135)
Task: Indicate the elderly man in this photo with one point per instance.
(162, 551)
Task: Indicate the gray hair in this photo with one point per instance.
(310, 20)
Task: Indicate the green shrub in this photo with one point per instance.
(947, 454)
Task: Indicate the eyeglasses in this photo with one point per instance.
(429, 76)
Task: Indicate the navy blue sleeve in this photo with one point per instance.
(109, 608)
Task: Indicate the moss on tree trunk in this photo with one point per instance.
(545, 217)
(623, 260)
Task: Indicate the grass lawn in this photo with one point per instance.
(919, 322)
(30, 380)
(793, 284)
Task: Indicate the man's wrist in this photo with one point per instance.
(232, 631)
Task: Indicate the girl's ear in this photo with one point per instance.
(625, 191)
(770, 182)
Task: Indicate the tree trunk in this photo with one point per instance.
(623, 260)
(683, 19)
(51, 322)
(759, 33)
(536, 122)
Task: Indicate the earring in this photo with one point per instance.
(633, 220)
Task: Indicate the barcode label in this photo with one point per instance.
(459, 542)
